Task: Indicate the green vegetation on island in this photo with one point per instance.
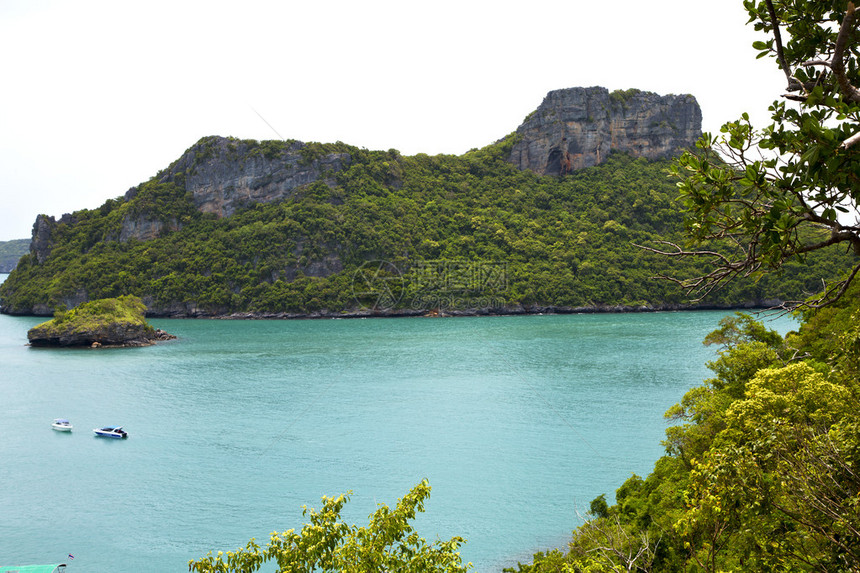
(104, 322)
(11, 252)
(561, 241)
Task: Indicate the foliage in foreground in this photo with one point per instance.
(387, 543)
(762, 471)
(763, 191)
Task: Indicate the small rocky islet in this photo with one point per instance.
(109, 322)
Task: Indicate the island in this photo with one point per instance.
(107, 322)
(11, 252)
(541, 221)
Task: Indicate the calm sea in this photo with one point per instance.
(518, 422)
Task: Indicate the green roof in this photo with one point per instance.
(55, 568)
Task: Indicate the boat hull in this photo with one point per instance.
(61, 425)
(118, 433)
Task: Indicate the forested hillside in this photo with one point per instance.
(10, 252)
(551, 241)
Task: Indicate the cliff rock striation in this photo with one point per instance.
(224, 175)
(579, 127)
(41, 243)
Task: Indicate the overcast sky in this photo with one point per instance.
(98, 96)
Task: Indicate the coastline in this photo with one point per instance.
(468, 312)
(194, 312)
(190, 310)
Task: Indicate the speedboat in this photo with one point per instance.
(61, 425)
(111, 432)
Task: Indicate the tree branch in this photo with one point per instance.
(703, 285)
(798, 98)
(838, 62)
(793, 84)
(824, 63)
(850, 141)
(679, 252)
(748, 263)
(831, 294)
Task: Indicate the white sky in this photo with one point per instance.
(98, 96)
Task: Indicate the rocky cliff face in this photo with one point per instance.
(579, 127)
(220, 176)
(40, 243)
(42, 240)
(225, 174)
(572, 129)
(143, 228)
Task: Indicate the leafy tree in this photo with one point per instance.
(775, 195)
(387, 543)
(742, 328)
(780, 483)
(763, 473)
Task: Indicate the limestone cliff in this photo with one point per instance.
(41, 244)
(579, 127)
(225, 174)
(216, 175)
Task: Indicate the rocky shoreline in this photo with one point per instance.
(118, 338)
(157, 336)
(191, 310)
(492, 311)
(104, 323)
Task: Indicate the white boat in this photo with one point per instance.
(61, 425)
(111, 432)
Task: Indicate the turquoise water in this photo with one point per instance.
(518, 422)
